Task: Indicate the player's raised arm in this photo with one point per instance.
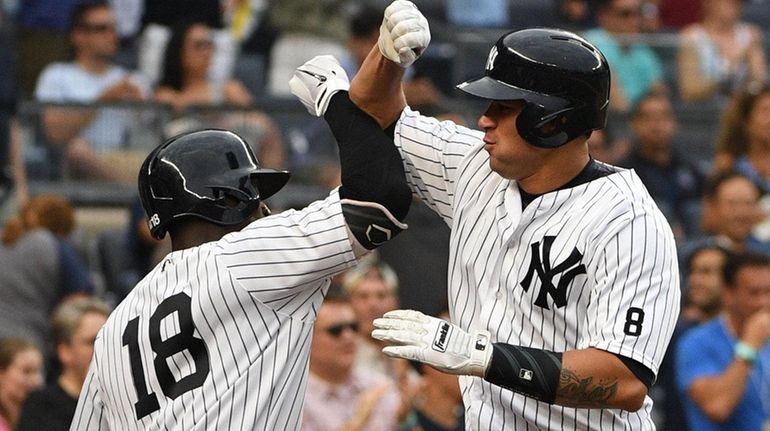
(376, 88)
(374, 194)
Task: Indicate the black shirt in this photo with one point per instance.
(49, 409)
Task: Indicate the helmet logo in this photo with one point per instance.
(154, 221)
(491, 58)
(378, 235)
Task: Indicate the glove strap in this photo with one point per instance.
(481, 353)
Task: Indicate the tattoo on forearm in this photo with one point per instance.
(583, 392)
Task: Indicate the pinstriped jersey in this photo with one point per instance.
(587, 266)
(217, 336)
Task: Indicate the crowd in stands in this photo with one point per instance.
(88, 88)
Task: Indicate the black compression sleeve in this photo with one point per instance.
(531, 372)
(371, 165)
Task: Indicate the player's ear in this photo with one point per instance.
(264, 209)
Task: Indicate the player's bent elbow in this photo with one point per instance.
(632, 396)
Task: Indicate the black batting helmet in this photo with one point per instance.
(210, 174)
(564, 80)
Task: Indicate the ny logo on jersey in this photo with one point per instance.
(569, 269)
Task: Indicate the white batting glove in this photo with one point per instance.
(404, 33)
(315, 82)
(435, 342)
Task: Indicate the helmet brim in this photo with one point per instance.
(492, 89)
(270, 181)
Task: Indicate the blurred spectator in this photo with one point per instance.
(423, 269)
(437, 404)
(185, 84)
(184, 80)
(702, 302)
(744, 138)
(42, 27)
(602, 146)
(306, 28)
(731, 210)
(675, 14)
(720, 54)
(672, 181)
(744, 144)
(87, 134)
(8, 98)
(636, 69)
(373, 289)
(723, 366)
(705, 282)
(75, 325)
(651, 22)
(21, 372)
(477, 13)
(38, 268)
(161, 16)
(340, 396)
(575, 15)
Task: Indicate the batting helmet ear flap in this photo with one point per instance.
(545, 128)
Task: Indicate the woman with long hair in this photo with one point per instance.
(185, 83)
(744, 138)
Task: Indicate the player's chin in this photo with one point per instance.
(503, 169)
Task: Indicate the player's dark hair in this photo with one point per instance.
(737, 261)
(78, 15)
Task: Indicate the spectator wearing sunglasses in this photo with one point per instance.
(339, 396)
(636, 69)
(87, 135)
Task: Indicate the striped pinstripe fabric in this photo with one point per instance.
(623, 299)
(251, 298)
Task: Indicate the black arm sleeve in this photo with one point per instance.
(531, 372)
(372, 169)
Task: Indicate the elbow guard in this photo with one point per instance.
(370, 224)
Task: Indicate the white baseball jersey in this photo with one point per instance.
(588, 266)
(217, 337)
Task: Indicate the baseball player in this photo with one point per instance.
(217, 336)
(563, 281)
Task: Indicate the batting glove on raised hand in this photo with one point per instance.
(315, 82)
(435, 342)
(404, 33)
